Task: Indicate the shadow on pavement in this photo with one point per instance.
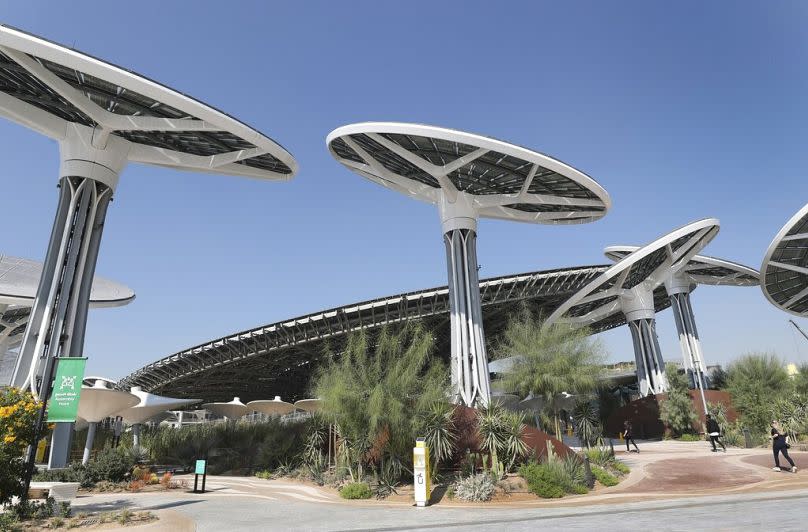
(172, 504)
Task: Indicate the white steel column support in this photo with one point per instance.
(88, 176)
(648, 357)
(469, 366)
(638, 307)
(88, 445)
(689, 340)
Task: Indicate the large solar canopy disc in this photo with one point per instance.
(468, 176)
(631, 287)
(103, 117)
(699, 269)
(19, 279)
(785, 267)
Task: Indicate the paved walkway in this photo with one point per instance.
(673, 485)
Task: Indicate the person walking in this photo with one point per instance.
(780, 445)
(628, 435)
(714, 431)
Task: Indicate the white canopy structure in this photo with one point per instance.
(784, 272)
(631, 287)
(272, 407)
(678, 285)
(468, 176)
(232, 410)
(103, 117)
(309, 405)
(19, 279)
(150, 405)
(98, 402)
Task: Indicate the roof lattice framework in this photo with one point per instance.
(278, 359)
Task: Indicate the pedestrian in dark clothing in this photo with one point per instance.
(780, 445)
(714, 431)
(628, 435)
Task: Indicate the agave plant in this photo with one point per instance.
(437, 428)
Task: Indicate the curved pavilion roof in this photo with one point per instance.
(784, 273)
(277, 359)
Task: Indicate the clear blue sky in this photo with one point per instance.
(680, 110)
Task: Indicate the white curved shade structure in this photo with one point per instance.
(19, 279)
(151, 405)
(630, 287)
(309, 405)
(272, 407)
(467, 177)
(232, 410)
(784, 271)
(98, 402)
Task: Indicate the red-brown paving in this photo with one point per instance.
(767, 460)
(683, 474)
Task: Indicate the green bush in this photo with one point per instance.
(542, 481)
(677, 412)
(475, 488)
(690, 437)
(356, 490)
(601, 456)
(604, 477)
(620, 467)
(111, 465)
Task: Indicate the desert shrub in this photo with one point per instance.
(28, 509)
(109, 464)
(64, 509)
(136, 485)
(690, 437)
(601, 456)
(755, 381)
(542, 481)
(620, 467)
(264, 474)
(356, 490)
(73, 473)
(677, 412)
(475, 488)
(604, 477)
(166, 481)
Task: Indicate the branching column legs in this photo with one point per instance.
(59, 315)
(470, 378)
(689, 340)
(648, 357)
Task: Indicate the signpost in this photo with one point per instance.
(421, 472)
(70, 370)
(64, 403)
(200, 469)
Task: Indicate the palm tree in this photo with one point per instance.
(376, 389)
(551, 362)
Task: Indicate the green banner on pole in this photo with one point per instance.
(64, 402)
